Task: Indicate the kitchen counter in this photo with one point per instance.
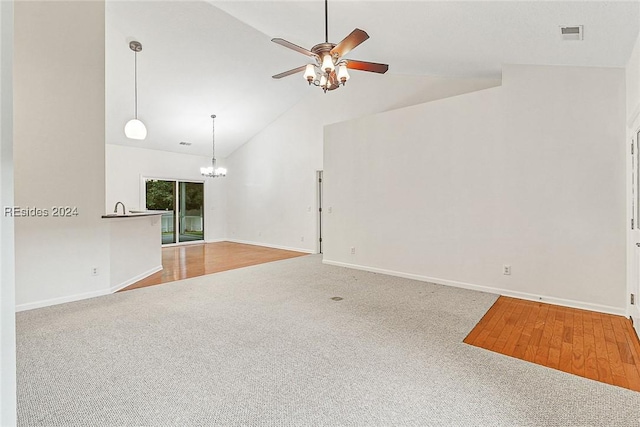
(134, 214)
(136, 247)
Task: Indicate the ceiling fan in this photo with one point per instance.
(330, 68)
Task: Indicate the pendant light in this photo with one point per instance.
(135, 129)
(212, 171)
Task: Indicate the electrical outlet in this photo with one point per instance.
(302, 239)
(330, 209)
(353, 250)
(506, 270)
(94, 271)
(633, 299)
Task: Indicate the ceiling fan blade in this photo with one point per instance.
(288, 73)
(356, 37)
(373, 67)
(283, 42)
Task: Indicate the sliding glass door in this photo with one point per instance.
(161, 196)
(191, 212)
(184, 205)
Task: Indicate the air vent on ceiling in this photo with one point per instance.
(185, 143)
(574, 32)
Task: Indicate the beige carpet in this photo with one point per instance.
(267, 345)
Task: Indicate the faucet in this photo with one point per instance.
(124, 210)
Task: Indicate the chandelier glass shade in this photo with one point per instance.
(213, 172)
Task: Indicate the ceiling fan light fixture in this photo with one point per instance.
(327, 63)
(330, 70)
(310, 73)
(323, 81)
(343, 73)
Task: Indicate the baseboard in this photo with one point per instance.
(286, 248)
(636, 324)
(133, 280)
(61, 300)
(173, 245)
(216, 240)
(86, 295)
(634, 313)
(492, 290)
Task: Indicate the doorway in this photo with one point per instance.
(183, 202)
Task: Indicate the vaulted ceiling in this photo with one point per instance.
(201, 58)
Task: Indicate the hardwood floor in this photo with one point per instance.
(181, 262)
(602, 347)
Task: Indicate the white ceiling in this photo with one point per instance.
(202, 58)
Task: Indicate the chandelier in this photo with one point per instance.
(212, 171)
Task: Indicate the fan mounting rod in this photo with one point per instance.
(326, 21)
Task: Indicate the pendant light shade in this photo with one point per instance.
(135, 129)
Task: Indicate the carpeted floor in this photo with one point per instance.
(266, 345)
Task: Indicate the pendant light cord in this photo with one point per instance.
(135, 78)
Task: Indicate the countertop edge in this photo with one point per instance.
(134, 214)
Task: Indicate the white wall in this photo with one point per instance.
(59, 149)
(135, 249)
(7, 270)
(126, 166)
(272, 196)
(530, 174)
(633, 83)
